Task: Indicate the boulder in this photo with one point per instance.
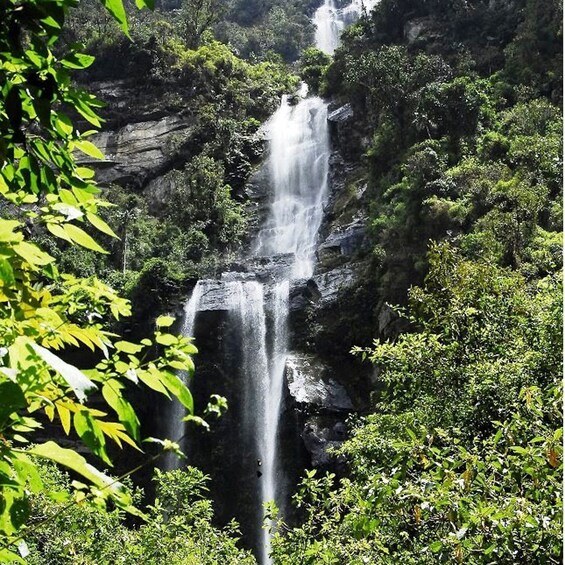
(309, 383)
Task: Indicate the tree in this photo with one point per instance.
(197, 16)
(178, 529)
(313, 65)
(462, 460)
(44, 314)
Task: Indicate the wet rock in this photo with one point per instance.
(343, 132)
(346, 240)
(386, 319)
(309, 382)
(217, 296)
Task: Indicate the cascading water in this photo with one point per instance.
(273, 392)
(299, 152)
(177, 411)
(332, 17)
(298, 164)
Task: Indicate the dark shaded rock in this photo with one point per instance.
(342, 114)
(345, 241)
(319, 436)
(421, 31)
(332, 283)
(344, 132)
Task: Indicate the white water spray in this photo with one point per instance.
(298, 165)
(331, 20)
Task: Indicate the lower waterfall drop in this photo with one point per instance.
(272, 400)
(177, 411)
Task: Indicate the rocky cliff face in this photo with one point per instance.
(330, 312)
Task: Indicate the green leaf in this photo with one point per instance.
(77, 61)
(80, 237)
(178, 389)
(152, 379)
(116, 8)
(7, 230)
(145, 4)
(77, 463)
(165, 321)
(166, 339)
(89, 431)
(7, 556)
(6, 272)
(436, 546)
(127, 347)
(27, 472)
(88, 148)
(63, 124)
(19, 512)
(13, 399)
(32, 254)
(124, 410)
(80, 384)
(58, 231)
(100, 224)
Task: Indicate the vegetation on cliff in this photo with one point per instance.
(461, 461)
(457, 110)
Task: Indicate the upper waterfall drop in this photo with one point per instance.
(298, 164)
(331, 20)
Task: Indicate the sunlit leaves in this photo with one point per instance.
(45, 189)
(116, 8)
(81, 385)
(175, 385)
(88, 148)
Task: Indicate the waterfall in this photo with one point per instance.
(272, 402)
(177, 411)
(258, 307)
(330, 21)
(298, 165)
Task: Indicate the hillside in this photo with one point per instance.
(370, 267)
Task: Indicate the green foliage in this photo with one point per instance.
(461, 142)
(177, 528)
(419, 496)
(196, 17)
(313, 65)
(260, 29)
(478, 344)
(200, 199)
(462, 461)
(44, 313)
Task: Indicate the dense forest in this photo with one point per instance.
(446, 138)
